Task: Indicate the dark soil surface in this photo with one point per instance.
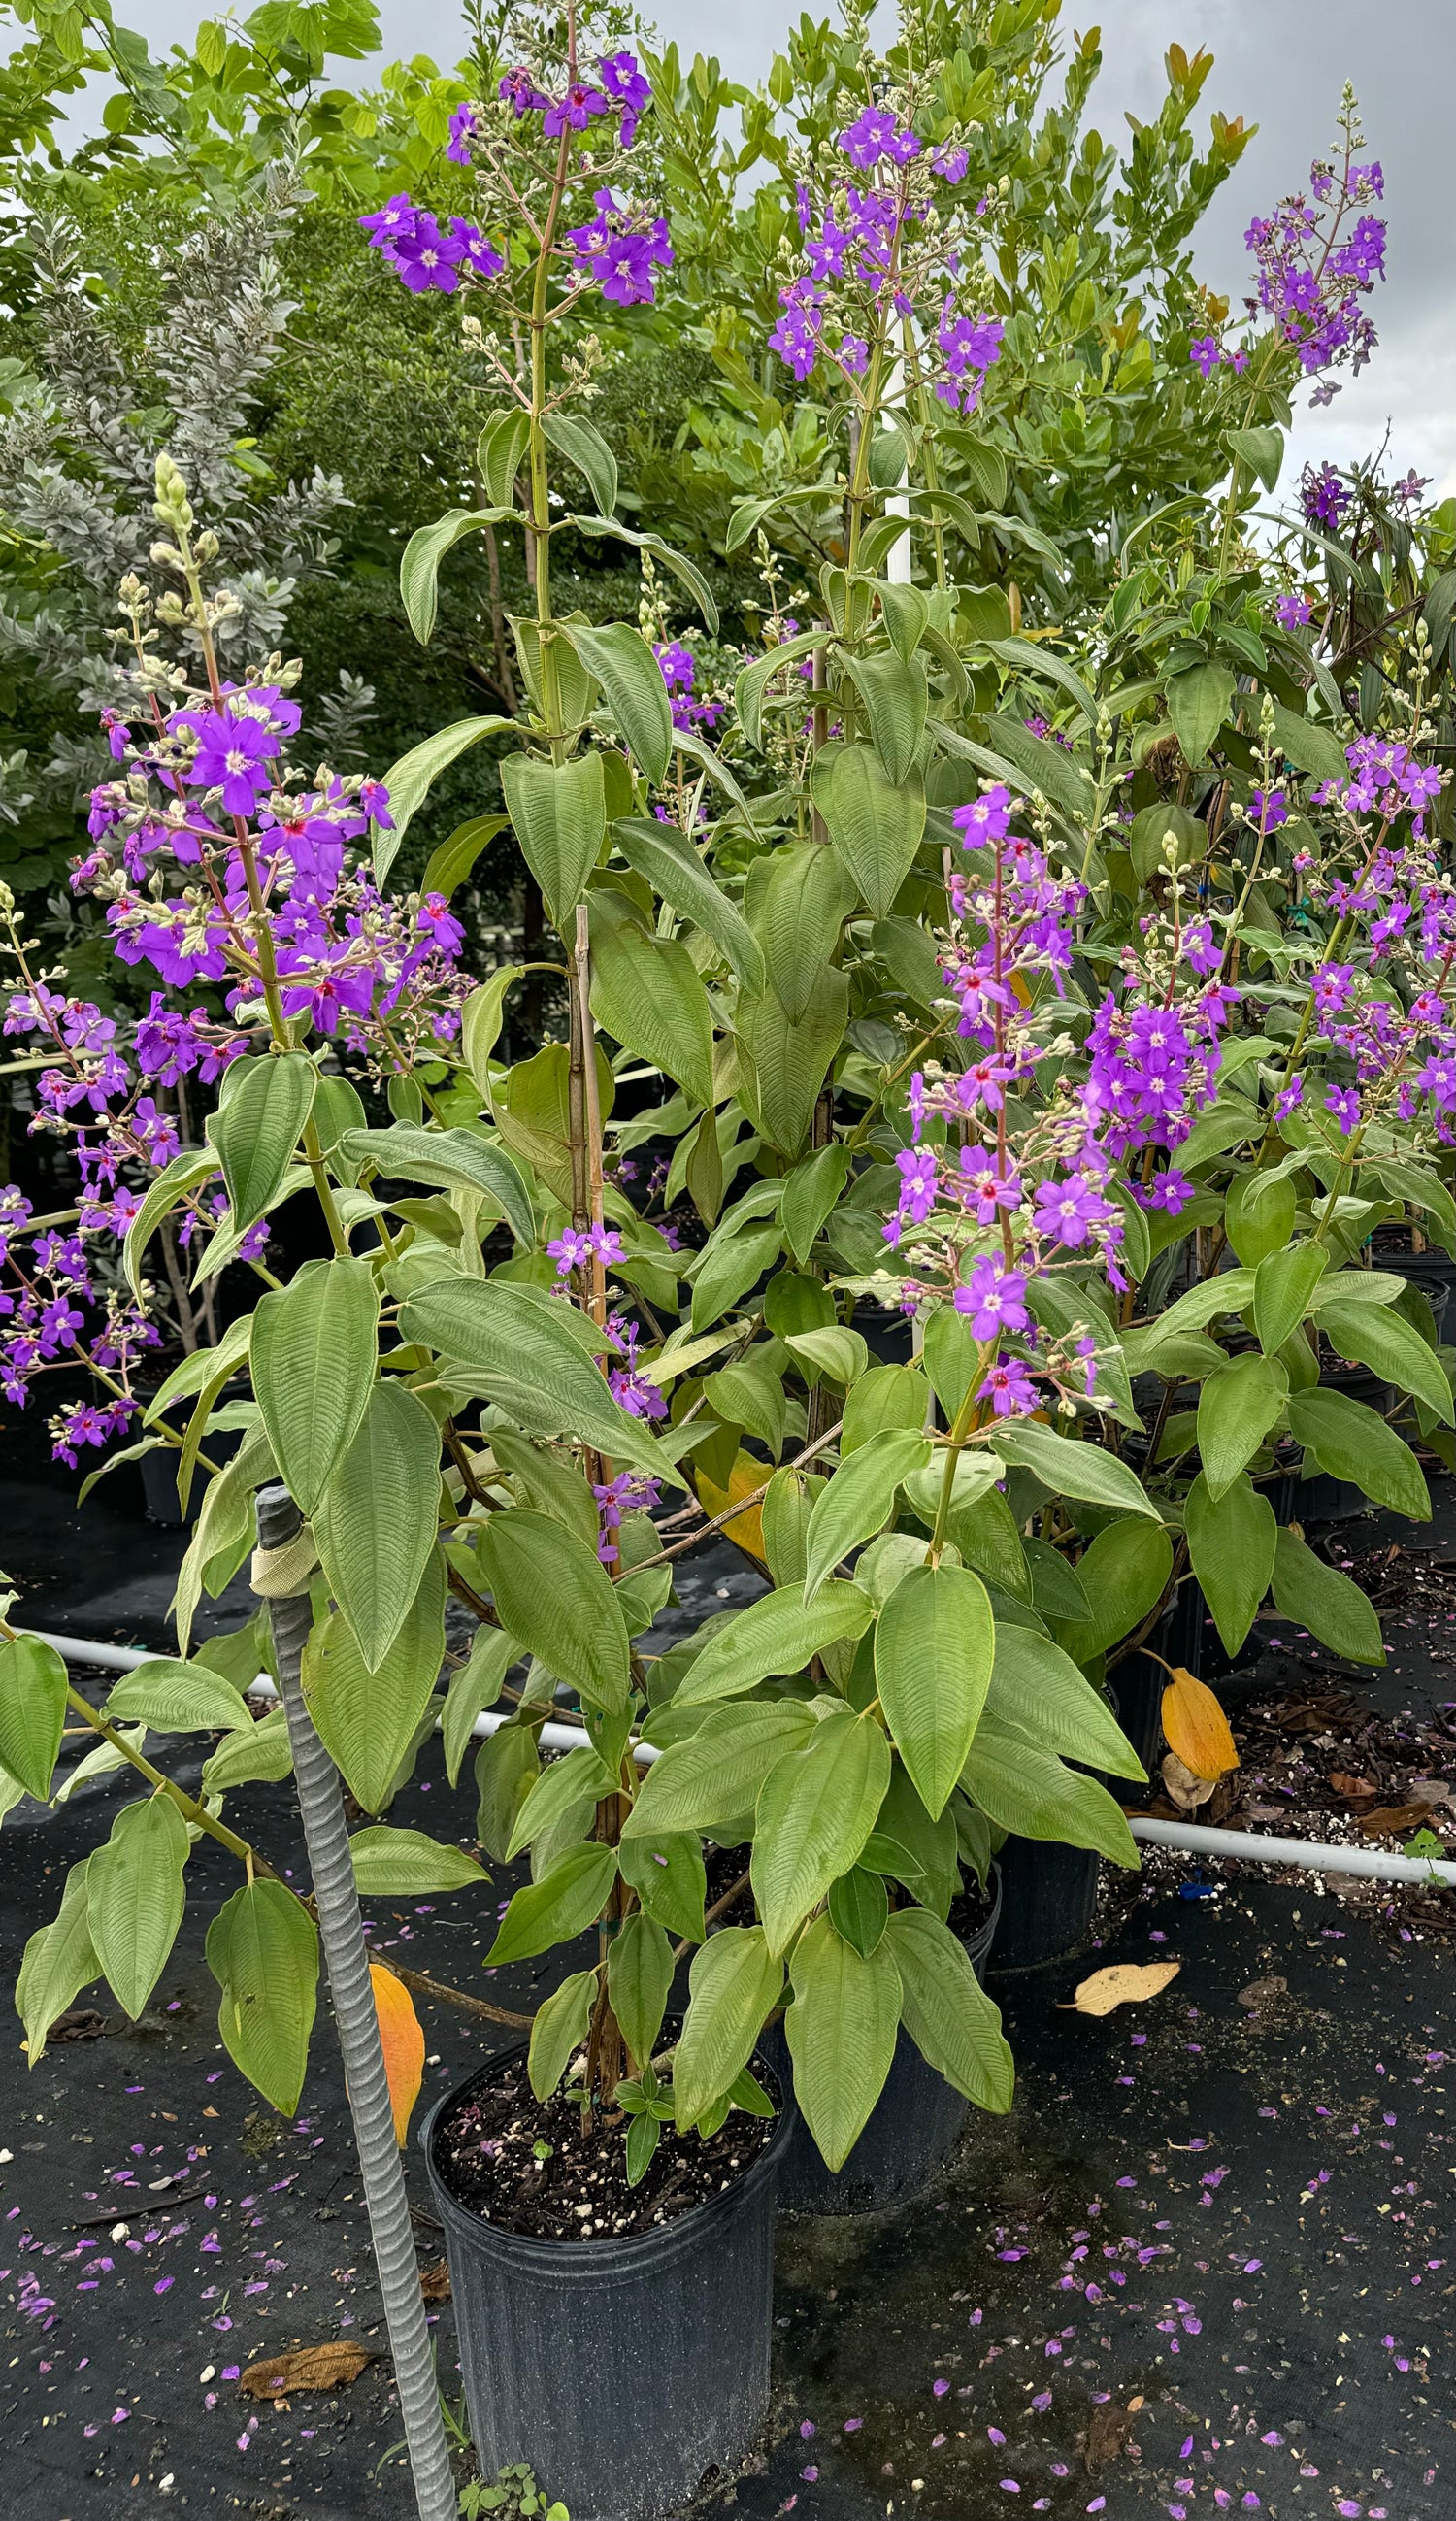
(537, 2170)
(1205, 2267)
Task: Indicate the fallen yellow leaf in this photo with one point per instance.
(1125, 1983)
(746, 1530)
(1197, 1727)
(403, 2041)
(305, 2367)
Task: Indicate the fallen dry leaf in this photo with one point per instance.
(1392, 1820)
(1109, 2432)
(403, 2043)
(1124, 1982)
(306, 2367)
(435, 2281)
(1196, 1728)
(1183, 1788)
(1354, 1789)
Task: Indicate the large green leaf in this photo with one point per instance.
(895, 696)
(32, 1712)
(718, 1772)
(796, 914)
(1038, 1688)
(1380, 1337)
(313, 1356)
(1231, 1544)
(1031, 1792)
(507, 1766)
(951, 2020)
(934, 1646)
(1236, 1408)
(752, 682)
(254, 1755)
(673, 868)
(1071, 1469)
(734, 1983)
(406, 1864)
(841, 2029)
(135, 1897)
(859, 1499)
(639, 1977)
(681, 566)
(812, 1191)
(418, 570)
(1198, 702)
(814, 1812)
(647, 992)
(665, 1869)
(475, 1686)
(729, 1264)
(583, 1777)
(377, 1520)
(553, 1593)
(911, 1849)
(558, 811)
(1284, 1284)
(786, 1062)
(451, 1159)
(178, 1698)
(778, 1634)
(632, 679)
(1354, 1443)
(515, 1333)
(368, 1720)
(58, 1961)
(558, 2030)
(414, 774)
(172, 1187)
(875, 826)
(256, 1127)
(1319, 1598)
(1230, 1291)
(889, 1395)
(262, 1949)
(453, 861)
(560, 1907)
(586, 448)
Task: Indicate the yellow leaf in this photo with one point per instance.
(306, 2367)
(1125, 1983)
(747, 1530)
(403, 2041)
(1197, 1727)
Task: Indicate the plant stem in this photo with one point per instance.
(321, 1808)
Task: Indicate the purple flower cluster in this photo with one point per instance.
(618, 255)
(424, 254)
(680, 675)
(622, 90)
(1323, 497)
(56, 1317)
(573, 1249)
(1311, 274)
(1152, 1068)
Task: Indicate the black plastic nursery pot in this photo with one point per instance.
(907, 2136)
(1048, 1895)
(621, 2371)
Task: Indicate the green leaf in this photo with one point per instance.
(178, 1698)
(895, 696)
(1029, 657)
(665, 1869)
(586, 448)
(778, 1634)
(1029, 1791)
(566, 1900)
(810, 1192)
(859, 1499)
(682, 568)
(558, 2030)
(1198, 702)
(934, 1646)
(1039, 1690)
(559, 812)
(948, 2015)
(1037, 764)
(376, 1519)
(727, 1270)
(1261, 449)
(257, 1129)
(1354, 1443)
(405, 1864)
(581, 1777)
(453, 1160)
(859, 1908)
(875, 825)
(1231, 1544)
(734, 1983)
(135, 1897)
(415, 773)
(506, 1765)
(1313, 748)
(783, 1063)
(447, 866)
(913, 1849)
(526, 1339)
(254, 1755)
(1259, 1214)
(814, 1812)
(1236, 1408)
(418, 570)
(313, 1356)
(647, 994)
(32, 1712)
(368, 1720)
(262, 1949)
(718, 1772)
(1357, 1287)
(475, 1686)
(1380, 1337)
(639, 1978)
(1122, 1574)
(889, 1395)
(1283, 1286)
(499, 450)
(841, 2029)
(1319, 1598)
(675, 871)
(1230, 1291)
(173, 1185)
(840, 1354)
(796, 915)
(1071, 1469)
(553, 1593)
(752, 682)
(636, 694)
(58, 1961)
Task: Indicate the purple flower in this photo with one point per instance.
(1331, 988)
(874, 134)
(985, 821)
(1205, 354)
(1345, 1103)
(425, 257)
(1008, 1388)
(462, 124)
(1198, 948)
(1323, 496)
(574, 111)
(521, 94)
(623, 82)
(1292, 611)
(233, 754)
(1268, 808)
(950, 165)
(1069, 1210)
(1289, 1100)
(1171, 1190)
(986, 1189)
(993, 1299)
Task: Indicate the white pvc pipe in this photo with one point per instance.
(1191, 1838)
(1310, 1854)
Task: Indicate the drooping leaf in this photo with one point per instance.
(812, 1191)
(560, 1905)
(934, 1647)
(135, 1897)
(407, 1865)
(630, 674)
(559, 812)
(948, 2015)
(262, 1949)
(647, 994)
(674, 870)
(32, 1711)
(1354, 1443)
(1284, 1284)
(1031, 1792)
(786, 1062)
(454, 1160)
(414, 774)
(889, 1395)
(1378, 1336)
(1328, 1604)
(418, 570)
(842, 2029)
(558, 2030)
(1198, 702)
(1122, 1574)
(526, 1340)
(778, 1634)
(718, 1773)
(59, 1961)
(553, 1593)
(368, 1720)
(665, 1869)
(1071, 1469)
(734, 1983)
(814, 1812)
(1039, 1689)
(403, 2041)
(639, 1978)
(797, 916)
(860, 1500)
(875, 825)
(313, 1359)
(1231, 1545)
(586, 448)
(256, 1127)
(377, 1516)
(178, 1698)
(859, 1908)
(506, 1765)
(895, 696)
(475, 1686)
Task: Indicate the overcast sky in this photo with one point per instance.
(1280, 64)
